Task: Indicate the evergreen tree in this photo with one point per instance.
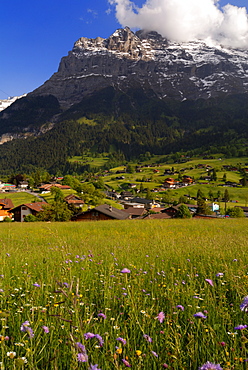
(183, 212)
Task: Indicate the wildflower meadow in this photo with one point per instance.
(114, 295)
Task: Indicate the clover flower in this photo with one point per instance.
(210, 366)
(125, 271)
(160, 317)
(244, 304)
(45, 328)
(200, 315)
(210, 282)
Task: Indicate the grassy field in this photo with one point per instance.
(144, 294)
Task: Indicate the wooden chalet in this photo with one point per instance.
(27, 209)
(75, 200)
(135, 212)
(5, 208)
(101, 213)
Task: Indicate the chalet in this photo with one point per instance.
(170, 183)
(23, 185)
(148, 203)
(187, 180)
(5, 208)
(47, 187)
(126, 195)
(74, 199)
(135, 212)
(171, 211)
(157, 216)
(27, 209)
(101, 213)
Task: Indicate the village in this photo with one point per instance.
(131, 200)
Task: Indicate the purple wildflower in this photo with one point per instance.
(240, 327)
(122, 340)
(160, 317)
(89, 335)
(154, 353)
(147, 338)
(81, 357)
(165, 366)
(219, 274)
(125, 271)
(126, 363)
(100, 340)
(200, 315)
(244, 304)
(210, 282)
(36, 285)
(180, 307)
(25, 327)
(210, 366)
(45, 328)
(102, 315)
(80, 347)
(82, 354)
(94, 367)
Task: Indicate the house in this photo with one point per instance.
(170, 183)
(74, 199)
(187, 180)
(27, 209)
(23, 185)
(47, 187)
(148, 203)
(135, 212)
(126, 195)
(100, 213)
(5, 208)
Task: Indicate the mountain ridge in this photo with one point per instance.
(139, 92)
(180, 71)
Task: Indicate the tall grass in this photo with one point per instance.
(112, 279)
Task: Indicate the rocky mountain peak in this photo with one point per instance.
(148, 61)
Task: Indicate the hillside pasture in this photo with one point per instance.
(144, 294)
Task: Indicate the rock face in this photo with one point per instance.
(147, 60)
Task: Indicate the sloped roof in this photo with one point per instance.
(8, 204)
(134, 211)
(36, 206)
(112, 212)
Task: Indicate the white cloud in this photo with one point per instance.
(187, 20)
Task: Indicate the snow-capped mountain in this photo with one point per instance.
(5, 103)
(190, 70)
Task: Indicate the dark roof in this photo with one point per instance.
(134, 211)
(8, 204)
(157, 216)
(141, 200)
(112, 212)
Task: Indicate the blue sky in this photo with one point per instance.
(36, 34)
